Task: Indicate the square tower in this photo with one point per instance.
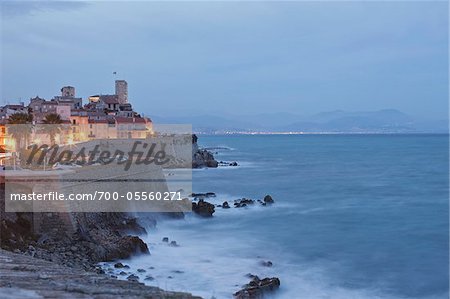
(122, 91)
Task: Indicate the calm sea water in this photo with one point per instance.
(356, 216)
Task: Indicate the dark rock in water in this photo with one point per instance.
(122, 273)
(203, 208)
(257, 288)
(173, 244)
(224, 163)
(250, 275)
(239, 203)
(225, 205)
(165, 239)
(113, 276)
(119, 265)
(141, 270)
(268, 199)
(151, 268)
(266, 263)
(133, 277)
(178, 271)
(203, 195)
(150, 278)
(170, 277)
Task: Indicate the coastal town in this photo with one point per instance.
(106, 116)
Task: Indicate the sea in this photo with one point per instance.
(355, 216)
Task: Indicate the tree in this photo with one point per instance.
(20, 127)
(20, 118)
(53, 122)
(52, 118)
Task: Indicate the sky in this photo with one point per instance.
(194, 58)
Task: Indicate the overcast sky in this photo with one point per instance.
(238, 58)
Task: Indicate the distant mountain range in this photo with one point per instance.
(382, 121)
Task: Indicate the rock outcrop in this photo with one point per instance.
(257, 288)
(268, 199)
(200, 157)
(203, 208)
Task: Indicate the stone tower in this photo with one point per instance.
(68, 92)
(122, 91)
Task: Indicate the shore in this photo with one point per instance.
(25, 277)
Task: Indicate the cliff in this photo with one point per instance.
(200, 157)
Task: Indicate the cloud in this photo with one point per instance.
(20, 8)
(289, 56)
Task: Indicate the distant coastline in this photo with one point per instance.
(387, 121)
(316, 133)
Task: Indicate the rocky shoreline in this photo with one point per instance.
(25, 277)
(100, 237)
(106, 237)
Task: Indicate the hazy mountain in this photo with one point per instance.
(388, 120)
(207, 123)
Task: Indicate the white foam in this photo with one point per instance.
(213, 257)
(215, 264)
